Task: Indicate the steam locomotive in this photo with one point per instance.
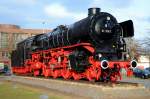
(92, 48)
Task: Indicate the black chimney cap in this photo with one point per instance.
(93, 11)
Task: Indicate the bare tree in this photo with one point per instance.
(145, 43)
(133, 47)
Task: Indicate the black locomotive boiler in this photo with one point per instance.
(92, 48)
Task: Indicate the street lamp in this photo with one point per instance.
(43, 26)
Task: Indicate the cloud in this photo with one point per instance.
(23, 2)
(38, 20)
(138, 11)
(31, 13)
(57, 10)
(18, 11)
(111, 3)
(17, 8)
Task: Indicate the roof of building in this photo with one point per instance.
(10, 28)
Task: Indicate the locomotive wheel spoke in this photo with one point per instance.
(66, 74)
(55, 74)
(76, 76)
(88, 75)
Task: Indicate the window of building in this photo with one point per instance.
(5, 54)
(4, 40)
(33, 34)
(17, 37)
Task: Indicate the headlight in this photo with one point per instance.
(104, 64)
(133, 64)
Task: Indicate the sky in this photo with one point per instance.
(49, 14)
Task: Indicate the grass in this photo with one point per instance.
(1, 74)
(11, 90)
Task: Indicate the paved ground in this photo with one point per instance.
(145, 82)
(84, 90)
(17, 90)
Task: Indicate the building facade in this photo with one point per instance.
(10, 35)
